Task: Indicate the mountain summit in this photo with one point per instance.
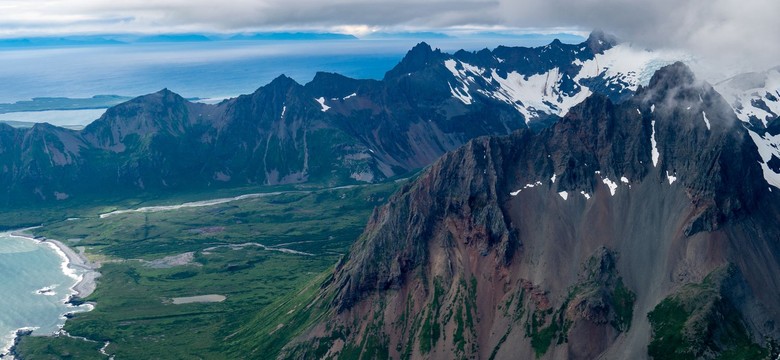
(622, 231)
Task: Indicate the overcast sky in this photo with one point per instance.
(726, 31)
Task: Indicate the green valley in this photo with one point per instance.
(257, 252)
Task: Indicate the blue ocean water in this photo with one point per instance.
(34, 288)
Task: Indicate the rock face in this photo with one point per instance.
(558, 244)
(333, 130)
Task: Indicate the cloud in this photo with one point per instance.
(729, 33)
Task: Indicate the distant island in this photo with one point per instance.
(63, 103)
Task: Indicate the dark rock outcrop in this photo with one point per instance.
(661, 194)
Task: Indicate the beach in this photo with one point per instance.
(86, 285)
(72, 261)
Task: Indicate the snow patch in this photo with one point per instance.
(466, 75)
(527, 186)
(586, 195)
(611, 184)
(768, 146)
(628, 66)
(535, 95)
(349, 96)
(752, 94)
(624, 179)
(652, 108)
(706, 121)
(321, 100)
(671, 178)
(461, 94)
(564, 195)
(553, 178)
(654, 153)
(284, 110)
(638, 112)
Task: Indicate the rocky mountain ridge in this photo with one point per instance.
(588, 239)
(332, 130)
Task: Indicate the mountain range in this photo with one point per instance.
(332, 130)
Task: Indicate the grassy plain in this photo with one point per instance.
(149, 258)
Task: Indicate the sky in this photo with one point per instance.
(727, 32)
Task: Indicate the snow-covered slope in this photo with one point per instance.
(755, 98)
(541, 92)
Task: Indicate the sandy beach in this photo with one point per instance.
(87, 284)
(73, 260)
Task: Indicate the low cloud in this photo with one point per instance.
(726, 34)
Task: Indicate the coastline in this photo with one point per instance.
(74, 265)
(72, 261)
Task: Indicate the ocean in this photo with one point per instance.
(34, 289)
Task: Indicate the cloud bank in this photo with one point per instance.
(737, 33)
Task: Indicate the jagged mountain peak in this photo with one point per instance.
(162, 98)
(165, 92)
(282, 81)
(273, 94)
(421, 48)
(419, 57)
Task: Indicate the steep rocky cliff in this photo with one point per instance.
(592, 238)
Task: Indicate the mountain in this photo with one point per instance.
(59, 41)
(173, 38)
(292, 36)
(755, 98)
(332, 130)
(637, 229)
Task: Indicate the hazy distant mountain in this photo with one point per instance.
(624, 231)
(173, 38)
(123, 39)
(58, 41)
(332, 130)
(292, 36)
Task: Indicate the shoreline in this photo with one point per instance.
(72, 262)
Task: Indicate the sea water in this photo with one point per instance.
(34, 288)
